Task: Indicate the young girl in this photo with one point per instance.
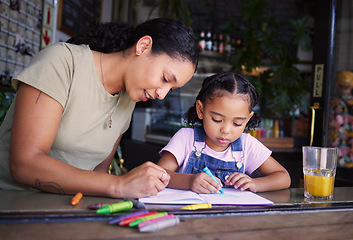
(223, 109)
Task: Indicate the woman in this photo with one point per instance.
(75, 100)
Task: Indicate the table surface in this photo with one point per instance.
(37, 215)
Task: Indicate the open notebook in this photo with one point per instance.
(231, 196)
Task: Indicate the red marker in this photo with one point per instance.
(127, 221)
(76, 199)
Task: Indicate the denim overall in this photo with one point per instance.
(221, 169)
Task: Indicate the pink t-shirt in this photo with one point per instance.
(182, 144)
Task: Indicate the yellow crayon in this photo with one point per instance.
(197, 206)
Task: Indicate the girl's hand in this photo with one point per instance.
(202, 183)
(241, 181)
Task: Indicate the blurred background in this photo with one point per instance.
(292, 51)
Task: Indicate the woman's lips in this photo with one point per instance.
(145, 96)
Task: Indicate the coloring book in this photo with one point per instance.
(231, 196)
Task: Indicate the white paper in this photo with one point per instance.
(231, 196)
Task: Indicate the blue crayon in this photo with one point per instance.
(208, 172)
(124, 216)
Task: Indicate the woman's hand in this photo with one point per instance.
(145, 180)
(241, 181)
(202, 183)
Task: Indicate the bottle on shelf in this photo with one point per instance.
(228, 45)
(202, 42)
(269, 128)
(275, 130)
(215, 43)
(208, 41)
(220, 43)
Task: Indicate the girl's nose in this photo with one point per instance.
(225, 128)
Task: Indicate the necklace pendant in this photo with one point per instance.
(197, 154)
(239, 165)
(110, 123)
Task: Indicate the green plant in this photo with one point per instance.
(176, 9)
(5, 102)
(281, 86)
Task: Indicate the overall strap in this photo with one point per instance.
(199, 134)
(236, 145)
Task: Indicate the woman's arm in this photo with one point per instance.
(199, 183)
(35, 125)
(275, 177)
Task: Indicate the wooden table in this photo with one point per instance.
(36, 215)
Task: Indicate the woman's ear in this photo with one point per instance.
(199, 109)
(143, 44)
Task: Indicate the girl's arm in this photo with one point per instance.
(35, 125)
(275, 177)
(199, 183)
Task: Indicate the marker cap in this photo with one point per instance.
(115, 207)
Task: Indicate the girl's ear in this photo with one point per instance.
(250, 115)
(199, 109)
(143, 44)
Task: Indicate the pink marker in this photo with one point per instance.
(144, 223)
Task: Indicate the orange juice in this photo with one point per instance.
(319, 183)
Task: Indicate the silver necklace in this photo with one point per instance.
(110, 122)
(239, 164)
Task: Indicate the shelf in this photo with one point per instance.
(277, 142)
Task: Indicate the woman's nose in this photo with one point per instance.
(161, 93)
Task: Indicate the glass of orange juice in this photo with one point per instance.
(319, 167)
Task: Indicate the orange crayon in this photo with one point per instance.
(76, 199)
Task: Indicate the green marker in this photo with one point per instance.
(140, 220)
(115, 207)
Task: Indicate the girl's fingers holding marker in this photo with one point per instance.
(212, 186)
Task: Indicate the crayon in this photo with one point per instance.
(140, 220)
(137, 204)
(97, 206)
(208, 172)
(159, 225)
(144, 223)
(76, 199)
(128, 215)
(197, 206)
(129, 220)
(115, 207)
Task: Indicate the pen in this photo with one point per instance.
(115, 207)
(76, 199)
(128, 215)
(136, 203)
(144, 223)
(197, 206)
(208, 172)
(129, 220)
(140, 220)
(156, 226)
